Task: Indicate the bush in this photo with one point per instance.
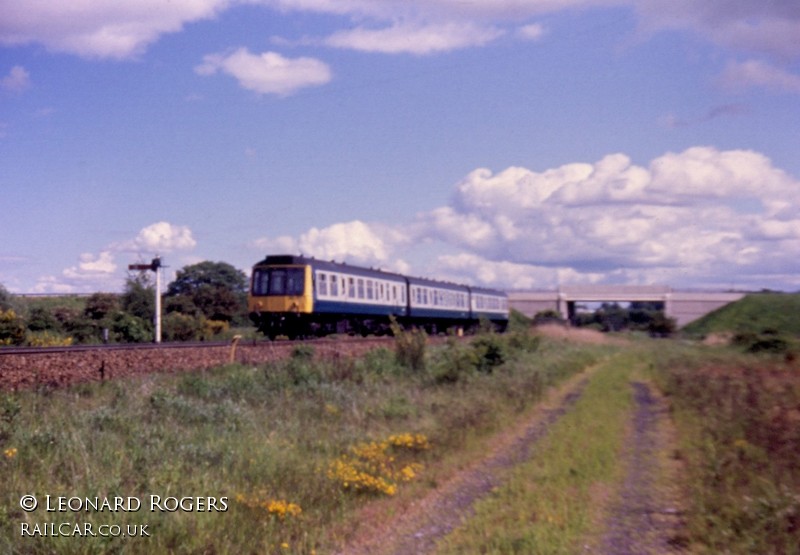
(768, 341)
(180, 327)
(455, 362)
(41, 319)
(489, 352)
(12, 328)
(48, 339)
(131, 329)
(409, 346)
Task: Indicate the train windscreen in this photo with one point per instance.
(278, 281)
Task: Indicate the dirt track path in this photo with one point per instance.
(416, 531)
(645, 517)
(642, 516)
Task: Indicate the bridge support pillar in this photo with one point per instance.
(563, 306)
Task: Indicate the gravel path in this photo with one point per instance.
(645, 518)
(417, 531)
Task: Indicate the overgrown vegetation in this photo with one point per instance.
(268, 438)
(738, 418)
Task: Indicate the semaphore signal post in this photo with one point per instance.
(155, 266)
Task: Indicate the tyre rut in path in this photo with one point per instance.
(644, 518)
(417, 531)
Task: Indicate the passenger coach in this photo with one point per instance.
(298, 296)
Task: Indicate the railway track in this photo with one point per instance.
(185, 345)
(35, 367)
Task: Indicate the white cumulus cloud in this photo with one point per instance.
(702, 216)
(102, 272)
(354, 242)
(164, 237)
(269, 72)
(91, 266)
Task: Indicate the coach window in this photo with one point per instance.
(334, 286)
(370, 289)
(322, 284)
(360, 288)
(351, 283)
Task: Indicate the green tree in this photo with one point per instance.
(217, 289)
(139, 297)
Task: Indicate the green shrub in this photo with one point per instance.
(455, 362)
(409, 346)
(489, 352)
(12, 328)
(131, 329)
(181, 327)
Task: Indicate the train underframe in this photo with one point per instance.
(301, 326)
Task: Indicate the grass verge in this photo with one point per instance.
(739, 421)
(295, 449)
(546, 505)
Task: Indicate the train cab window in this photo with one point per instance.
(288, 281)
(260, 282)
(322, 284)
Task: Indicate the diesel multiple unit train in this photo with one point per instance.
(298, 296)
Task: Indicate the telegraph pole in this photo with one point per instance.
(155, 266)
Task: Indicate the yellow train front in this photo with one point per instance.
(281, 300)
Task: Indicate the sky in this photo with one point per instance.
(518, 144)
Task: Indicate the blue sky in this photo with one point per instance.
(512, 143)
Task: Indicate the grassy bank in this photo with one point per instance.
(295, 448)
(739, 420)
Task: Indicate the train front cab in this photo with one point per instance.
(281, 300)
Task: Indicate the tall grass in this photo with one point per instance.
(739, 419)
(263, 437)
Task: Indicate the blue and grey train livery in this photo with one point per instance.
(298, 296)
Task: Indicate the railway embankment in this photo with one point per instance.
(33, 368)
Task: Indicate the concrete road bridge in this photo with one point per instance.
(683, 306)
